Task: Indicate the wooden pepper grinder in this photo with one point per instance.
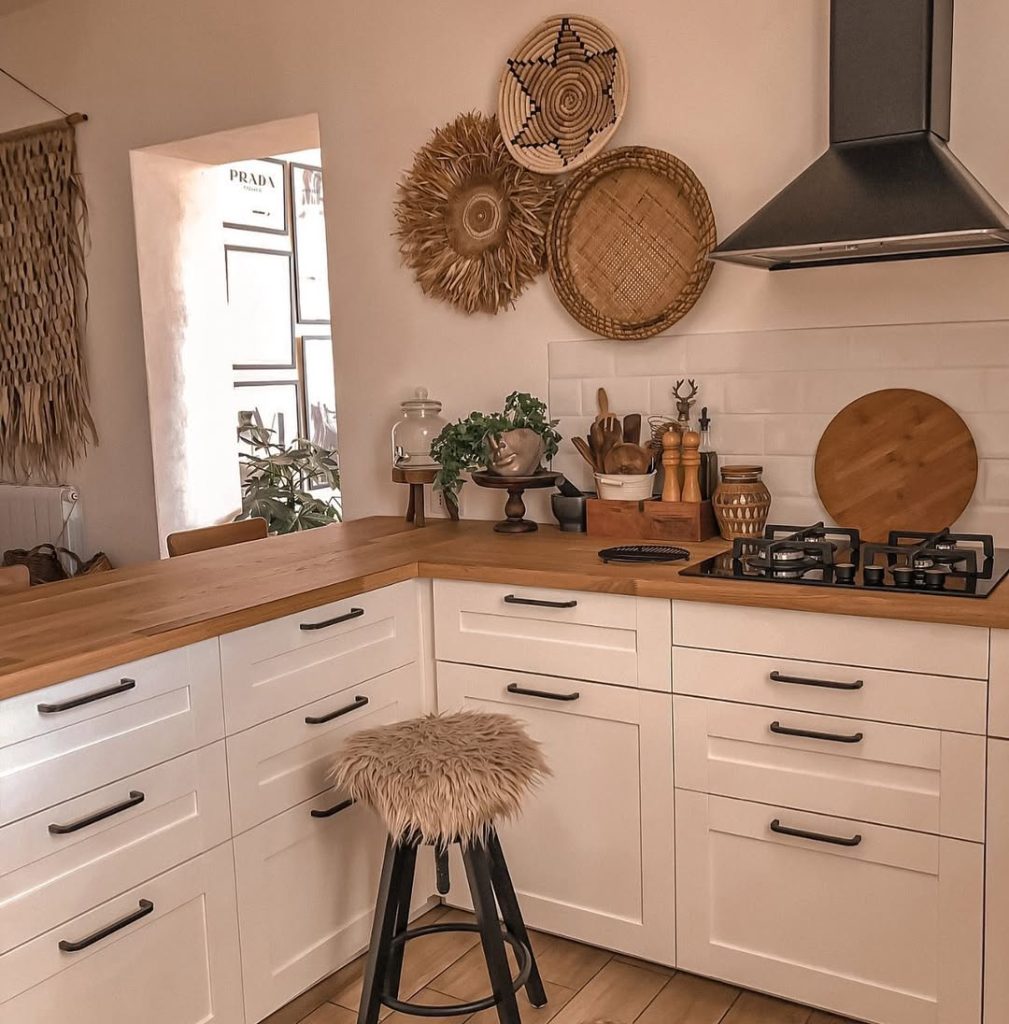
(671, 465)
(691, 467)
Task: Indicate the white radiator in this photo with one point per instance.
(40, 515)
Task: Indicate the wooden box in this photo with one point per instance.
(651, 519)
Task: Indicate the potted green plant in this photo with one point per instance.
(276, 481)
(494, 440)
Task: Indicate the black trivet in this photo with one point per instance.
(642, 553)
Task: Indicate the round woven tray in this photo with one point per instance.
(629, 241)
(562, 94)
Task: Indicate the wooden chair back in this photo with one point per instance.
(189, 541)
(14, 579)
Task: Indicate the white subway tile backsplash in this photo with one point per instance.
(771, 395)
(565, 397)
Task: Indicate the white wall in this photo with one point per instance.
(737, 89)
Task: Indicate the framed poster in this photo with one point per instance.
(311, 272)
(274, 405)
(319, 391)
(255, 195)
(260, 308)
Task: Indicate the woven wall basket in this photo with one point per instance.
(562, 95)
(629, 241)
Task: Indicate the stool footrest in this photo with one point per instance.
(522, 954)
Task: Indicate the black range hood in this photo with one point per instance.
(888, 187)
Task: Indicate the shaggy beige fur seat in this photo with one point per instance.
(443, 777)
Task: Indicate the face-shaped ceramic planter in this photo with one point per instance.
(515, 452)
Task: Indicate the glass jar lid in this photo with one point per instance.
(421, 403)
(741, 474)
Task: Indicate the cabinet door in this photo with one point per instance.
(888, 930)
(176, 964)
(998, 687)
(996, 999)
(591, 854)
(306, 893)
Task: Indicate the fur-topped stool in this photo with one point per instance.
(440, 780)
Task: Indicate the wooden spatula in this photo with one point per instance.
(632, 428)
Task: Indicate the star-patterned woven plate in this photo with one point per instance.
(563, 94)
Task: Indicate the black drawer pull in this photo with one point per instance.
(827, 684)
(358, 702)
(335, 809)
(809, 734)
(817, 837)
(515, 688)
(135, 797)
(75, 702)
(354, 613)
(146, 907)
(512, 599)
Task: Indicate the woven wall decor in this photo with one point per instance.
(472, 222)
(45, 424)
(629, 241)
(562, 94)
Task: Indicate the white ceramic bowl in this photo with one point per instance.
(625, 487)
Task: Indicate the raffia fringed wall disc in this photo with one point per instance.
(45, 424)
(562, 94)
(629, 242)
(472, 222)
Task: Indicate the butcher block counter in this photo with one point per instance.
(64, 630)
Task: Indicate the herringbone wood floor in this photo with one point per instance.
(583, 984)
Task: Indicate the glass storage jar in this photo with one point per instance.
(412, 435)
(742, 502)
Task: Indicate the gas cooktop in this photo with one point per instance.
(955, 564)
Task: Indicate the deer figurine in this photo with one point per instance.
(684, 403)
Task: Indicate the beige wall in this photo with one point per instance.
(735, 87)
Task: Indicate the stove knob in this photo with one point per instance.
(903, 575)
(935, 579)
(873, 575)
(844, 572)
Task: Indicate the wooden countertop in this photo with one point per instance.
(65, 630)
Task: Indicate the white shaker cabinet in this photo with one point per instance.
(996, 1000)
(591, 853)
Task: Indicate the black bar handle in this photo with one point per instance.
(335, 809)
(809, 734)
(146, 907)
(827, 684)
(817, 837)
(354, 613)
(512, 599)
(88, 698)
(515, 688)
(357, 702)
(135, 797)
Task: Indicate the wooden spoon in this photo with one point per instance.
(604, 404)
(583, 449)
(628, 458)
(597, 442)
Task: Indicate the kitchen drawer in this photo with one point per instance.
(177, 964)
(905, 698)
(912, 778)
(306, 894)
(277, 666)
(608, 638)
(998, 687)
(888, 930)
(285, 761)
(591, 852)
(68, 739)
(843, 639)
(167, 815)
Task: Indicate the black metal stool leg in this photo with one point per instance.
(512, 915)
(403, 896)
(478, 874)
(386, 915)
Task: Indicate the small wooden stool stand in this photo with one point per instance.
(487, 874)
(515, 508)
(417, 478)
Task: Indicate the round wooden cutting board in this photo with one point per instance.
(896, 460)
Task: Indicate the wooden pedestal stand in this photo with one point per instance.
(515, 508)
(417, 478)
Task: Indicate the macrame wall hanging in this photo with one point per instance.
(45, 424)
